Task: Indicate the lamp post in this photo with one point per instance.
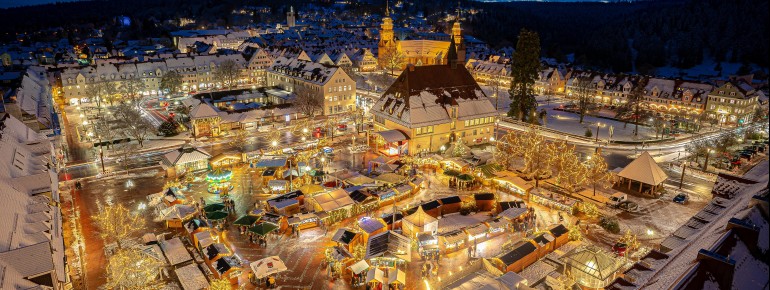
(597, 131)
(706, 164)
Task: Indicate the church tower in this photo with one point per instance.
(387, 42)
(291, 18)
(457, 39)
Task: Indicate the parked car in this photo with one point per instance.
(620, 249)
(681, 198)
(617, 198)
(342, 127)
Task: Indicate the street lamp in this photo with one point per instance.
(706, 164)
(597, 130)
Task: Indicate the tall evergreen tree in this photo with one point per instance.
(524, 69)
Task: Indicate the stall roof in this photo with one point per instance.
(450, 199)
(477, 229)
(509, 204)
(389, 243)
(558, 230)
(430, 205)
(271, 161)
(393, 135)
(389, 218)
(204, 238)
(497, 223)
(359, 267)
(191, 277)
(344, 236)
(484, 196)
(358, 196)
(175, 251)
(332, 200)
(543, 239)
(213, 250)
(370, 225)
(518, 253)
(222, 265)
(390, 178)
(283, 203)
(454, 236)
(513, 213)
(644, 169)
(359, 180)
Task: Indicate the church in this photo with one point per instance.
(418, 52)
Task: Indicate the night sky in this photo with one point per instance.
(16, 3)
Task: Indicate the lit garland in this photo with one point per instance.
(132, 269)
(220, 284)
(571, 174)
(117, 223)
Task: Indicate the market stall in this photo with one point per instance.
(553, 200)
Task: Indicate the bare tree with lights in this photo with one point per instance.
(571, 174)
(132, 89)
(132, 268)
(116, 223)
(393, 59)
(532, 148)
(597, 171)
(582, 93)
(134, 124)
(227, 73)
(307, 101)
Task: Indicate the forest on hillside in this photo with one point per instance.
(658, 33)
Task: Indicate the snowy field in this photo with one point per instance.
(568, 122)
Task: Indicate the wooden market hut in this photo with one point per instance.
(643, 175)
(519, 257)
(452, 241)
(280, 220)
(560, 234)
(450, 204)
(485, 201)
(371, 226)
(394, 220)
(215, 251)
(348, 238)
(225, 268)
(203, 239)
(287, 204)
(432, 208)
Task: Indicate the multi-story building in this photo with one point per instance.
(674, 98)
(32, 252)
(490, 73)
(331, 83)
(733, 103)
(198, 73)
(363, 60)
(219, 39)
(421, 112)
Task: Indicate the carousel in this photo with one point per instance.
(219, 181)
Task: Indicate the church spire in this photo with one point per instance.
(451, 55)
(387, 8)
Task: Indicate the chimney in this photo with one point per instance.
(410, 67)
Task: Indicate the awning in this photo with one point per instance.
(268, 266)
(392, 135)
(375, 275)
(359, 267)
(396, 276)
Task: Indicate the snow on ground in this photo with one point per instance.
(568, 122)
(681, 258)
